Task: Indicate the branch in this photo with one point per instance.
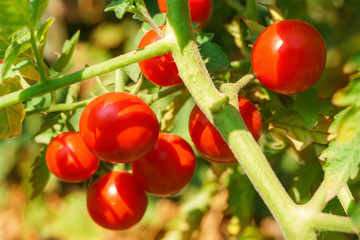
(157, 48)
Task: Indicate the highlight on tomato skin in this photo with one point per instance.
(289, 57)
(69, 159)
(168, 167)
(207, 139)
(160, 70)
(118, 127)
(200, 11)
(116, 201)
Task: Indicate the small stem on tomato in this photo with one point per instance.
(137, 86)
(142, 8)
(62, 107)
(151, 98)
(101, 86)
(119, 80)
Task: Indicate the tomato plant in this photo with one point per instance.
(304, 167)
(208, 140)
(200, 10)
(289, 56)
(118, 127)
(69, 159)
(167, 168)
(160, 70)
(116, 201)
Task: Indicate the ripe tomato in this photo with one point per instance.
(167, 168)
(68, 158)
(160, 70)
(1, 61)
(200, 10)
(119, 127)
(116, 201)
(208, 141)
(289, 56)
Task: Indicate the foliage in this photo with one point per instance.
(311, 140)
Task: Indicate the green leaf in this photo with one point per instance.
(17, 14)
(18, 46)
(120, 7)
(214, 57)
(342, 163)
(38, 8)
(3, 47)
(42, 35)
(133, 71)
(67, 52)
(204, 37)
(39, 174)
(310, 107)
(241, 197)
(11, 117)
(23, 43)
(14, 15)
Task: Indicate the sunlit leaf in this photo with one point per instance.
(11, 117)
(342, 163)
(290, 122)
(349, 95)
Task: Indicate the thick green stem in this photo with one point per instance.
(158, 48)
(229, 123)
(347, 200)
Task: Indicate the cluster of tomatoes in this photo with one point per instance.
(119, 127)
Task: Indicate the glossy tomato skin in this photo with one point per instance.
(119, 127)
(208, 141)
(200, 10)
(167, 168)
(69, 159)
(116, 201)
(289, 57)
(160, 70)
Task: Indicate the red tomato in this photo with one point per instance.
(208, 141)
(119, 127)
(289, 57)
(68, 158)
(1, 60)
(167, 168)
(200, 10)
(116, 201)
(160, 70)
